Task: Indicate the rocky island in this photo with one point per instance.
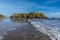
(29, 15)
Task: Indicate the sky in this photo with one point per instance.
(51, 8)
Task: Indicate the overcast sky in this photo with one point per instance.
(51, 8)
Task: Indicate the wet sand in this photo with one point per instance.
(25, 32)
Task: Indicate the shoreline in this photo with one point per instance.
(45, 29)
(26, 32)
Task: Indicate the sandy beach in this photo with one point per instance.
(25, 32)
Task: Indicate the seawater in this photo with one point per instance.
(51, 27)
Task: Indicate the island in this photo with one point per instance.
(29, 15)
(2, 16)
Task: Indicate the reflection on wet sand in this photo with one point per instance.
(25, 32)
(1, 19)
(19, 20)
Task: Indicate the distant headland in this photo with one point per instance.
(2, 16)
(29, 15)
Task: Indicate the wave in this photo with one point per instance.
(49, 27)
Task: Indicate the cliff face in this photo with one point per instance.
(29, 15)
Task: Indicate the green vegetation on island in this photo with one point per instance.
(2, 16)
(29, 15)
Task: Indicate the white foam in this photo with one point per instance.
(11, 29)
(51, 28)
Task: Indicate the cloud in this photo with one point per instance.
(8, 8)
(51, 1)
